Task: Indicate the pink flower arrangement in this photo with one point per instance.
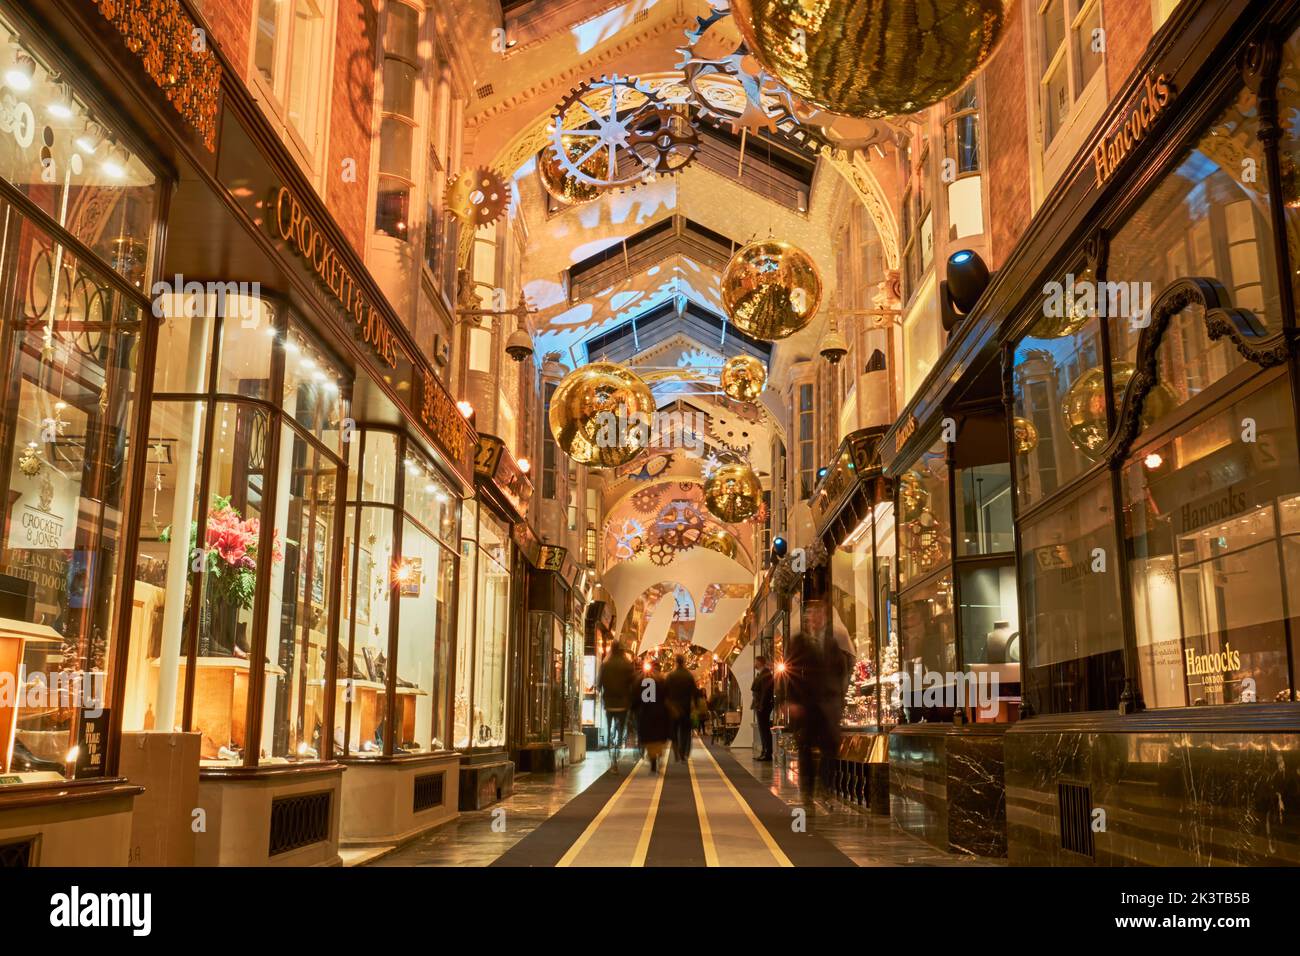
(230, 552)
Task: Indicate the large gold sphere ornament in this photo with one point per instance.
(1025, 434)
(723, 542)
(1084, 406)
(872, 57)
(743, 378)
(555, 180)
(912, 496)
(732, 493)
(601, 415)
(771, 289)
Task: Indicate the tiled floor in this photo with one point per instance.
(478, 838)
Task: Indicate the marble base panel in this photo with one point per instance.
(379, 798)
(1160, 797)
(484, 780)
(78, 826)
(946, 786)
(237, 817)
(541, 758)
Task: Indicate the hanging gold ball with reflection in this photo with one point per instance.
(723, 542)
(872, 57)
(743, 378)
(601, 414)
(1025, 435)
(732, 493)
(912, 496)
(556, 181)
(771, 289)
(1084, 406)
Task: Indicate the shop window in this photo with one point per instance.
(929, 635)
(379, 467)
(1072, 633)
(425, 593)
(1210, 524)
(1204, 219)
(887, 609)
(66, 158)
(492, 633)
(962, 159)
(984, 512)
(1060, 420)
(401, 73)
(990, 619)
(853, 612)
(289, 48)
(361, 702)
(1288, 95)
(69, 401)
(467, 623)
(925, 529)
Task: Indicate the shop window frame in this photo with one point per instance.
(277, 421)
(404, 448)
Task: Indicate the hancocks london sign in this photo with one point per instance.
(1117, 144)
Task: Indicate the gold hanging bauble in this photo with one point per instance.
(1084, 406)
(1025, 435)
(743, 378)
(771, 289)
(732, 492)
(912, 496)
(565, 188)
(720, 541)
(600, 415)
(872, 57)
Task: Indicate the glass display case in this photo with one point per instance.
(488, 556)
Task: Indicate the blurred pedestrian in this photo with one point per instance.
(654, 726)
(816, 673)
(615, 682)
(681, 697)
(762, 698)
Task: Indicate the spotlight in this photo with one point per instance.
(520, 345)
(466, 409)
(1153, 461)
(63, 106)
(821, 473)
(524, 465)
(114, 165)
(19, 76)
(779, 547)
(967, 278)
(92, 134)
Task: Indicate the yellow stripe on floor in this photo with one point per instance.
(573, 851)
(769, 842)
(706, 834)
(647, 828)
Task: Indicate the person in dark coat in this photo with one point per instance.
(816, 674)
(762, 699)
(616, 686)
(654, 726)
(681, 697)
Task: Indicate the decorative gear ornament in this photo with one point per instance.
(645, 500)
(478, 197)
(629, 539)
(625, 127)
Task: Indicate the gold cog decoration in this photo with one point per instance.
(1084, 406)
(720, 541)
(600, 415)
(732, 493)
(616, 131)
(771, 289)
(872, 57)
(478, 197)
(743, 378)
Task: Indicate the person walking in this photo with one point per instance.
(653, 724)
(762, 698)
(681, 697)
(816, 672)
(615, 681)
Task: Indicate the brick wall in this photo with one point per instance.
(1128, 31)
(231, 22)
(352, 117)
(1005, 115)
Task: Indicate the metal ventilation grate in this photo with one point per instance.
(1075, 805)
(428, 791)
(299, 820)
(484, 91)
